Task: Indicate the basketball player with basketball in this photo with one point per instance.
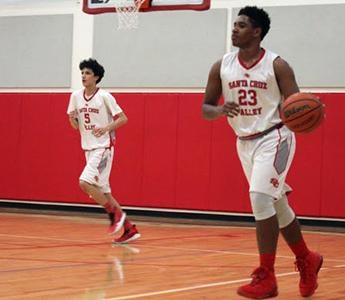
(96, 114)
(253, 82)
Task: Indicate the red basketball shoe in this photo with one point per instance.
(308, 268)
(116, 221)
(129, 235)
(263, 285)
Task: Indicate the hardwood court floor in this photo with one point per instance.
(70, 258)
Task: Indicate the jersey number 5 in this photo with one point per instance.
(87, 118)
(243, 95)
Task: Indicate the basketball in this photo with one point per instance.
(302, 112)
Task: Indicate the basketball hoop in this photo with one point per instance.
(127, 13)
(127, 10)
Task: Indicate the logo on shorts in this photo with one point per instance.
(275, 182)
(96, 178)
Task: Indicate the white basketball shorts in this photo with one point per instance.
(98, 167)
(266, 161)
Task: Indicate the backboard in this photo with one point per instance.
(104, 6)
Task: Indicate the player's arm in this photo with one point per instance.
(119, 120)
(213, 92)
(285, 77)
(73, 119)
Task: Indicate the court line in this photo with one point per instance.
(226, 252)
(87, 243)
(143, 240)
(201, 286)
(84, 263)
(192, 288)
(45, 268)
(133, 263)
(135, 260)
(54, 246)
(155, 224)
(104, 238)
(195, 251)
(192, 237)
(91, 243)
(45, 238)
(179, 290)
(324, 233)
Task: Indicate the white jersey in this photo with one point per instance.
(256, 91)
(94, 112)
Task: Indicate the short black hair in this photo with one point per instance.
(96, 68)
(258, 17)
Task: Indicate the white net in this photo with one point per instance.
(127, 13)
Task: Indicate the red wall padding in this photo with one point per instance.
(167, 156)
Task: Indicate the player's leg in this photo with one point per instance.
(112, 201)
(94, 180)
(127, 224)
(262, 205)
(117, 216)
(93, 191)
(308, 262)
(271, 155)
(130, 232)
(267, 228)
(264, 284)
(267, 231)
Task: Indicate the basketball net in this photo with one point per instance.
(127, 13)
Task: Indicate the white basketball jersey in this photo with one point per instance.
(94, 112)
(256, 91)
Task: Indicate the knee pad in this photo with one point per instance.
(284, 212)
(262, 206)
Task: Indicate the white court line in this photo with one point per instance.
(199, 287)
(226, 252)
(146, 223)
(156, 224)
(324, 233)
(186, 288)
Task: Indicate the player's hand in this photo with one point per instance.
(323, 106)
(73, 115)
(98, 132)
(230, 109)
(324, 113)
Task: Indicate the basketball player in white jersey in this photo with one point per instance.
(254, 82)
(96, 114)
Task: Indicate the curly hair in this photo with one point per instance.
(92, 64)
(258, 17)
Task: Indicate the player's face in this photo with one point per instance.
(243, 32)
(88, 77)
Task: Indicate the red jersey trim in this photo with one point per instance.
(254, 64)
(91, 96)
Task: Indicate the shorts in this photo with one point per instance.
(266, 161)
(98, 167)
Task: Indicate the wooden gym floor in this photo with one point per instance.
(69, 257)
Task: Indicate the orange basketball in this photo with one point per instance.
(302, 112)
